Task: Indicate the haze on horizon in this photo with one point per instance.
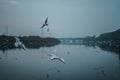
(66, 18)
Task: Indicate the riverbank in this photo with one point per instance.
(109, 41)
(7, 42)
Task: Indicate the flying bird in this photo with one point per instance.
(54, 57)
(19, 44)
(45, 24)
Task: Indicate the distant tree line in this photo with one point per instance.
(109, 40)
(7, 42)
(113, 36)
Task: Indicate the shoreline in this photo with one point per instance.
(7, 42)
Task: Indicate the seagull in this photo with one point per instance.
(45, 24)
(53, 57)
(18, 43)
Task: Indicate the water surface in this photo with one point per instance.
(81, 62)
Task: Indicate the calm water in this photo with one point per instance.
(85, 63)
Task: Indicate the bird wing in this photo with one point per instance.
(53, 56)
(17, 39)
(16, 44)
(46, 20)
(62, 60)
(43, 26)
(23, 46)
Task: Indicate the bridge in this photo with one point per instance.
(71, 41)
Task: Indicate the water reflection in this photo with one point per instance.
(82, 62)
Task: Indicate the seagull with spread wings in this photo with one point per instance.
(45, 24)
(19, 44)
(54, 57)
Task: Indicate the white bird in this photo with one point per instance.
(18, 43)
(54, 57)
(45, 24)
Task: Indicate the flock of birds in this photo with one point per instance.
(53, 56)
(19, 44)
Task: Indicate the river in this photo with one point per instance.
(81, 63)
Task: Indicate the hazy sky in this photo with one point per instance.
(67, 18)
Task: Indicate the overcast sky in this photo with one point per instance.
(66, 18)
